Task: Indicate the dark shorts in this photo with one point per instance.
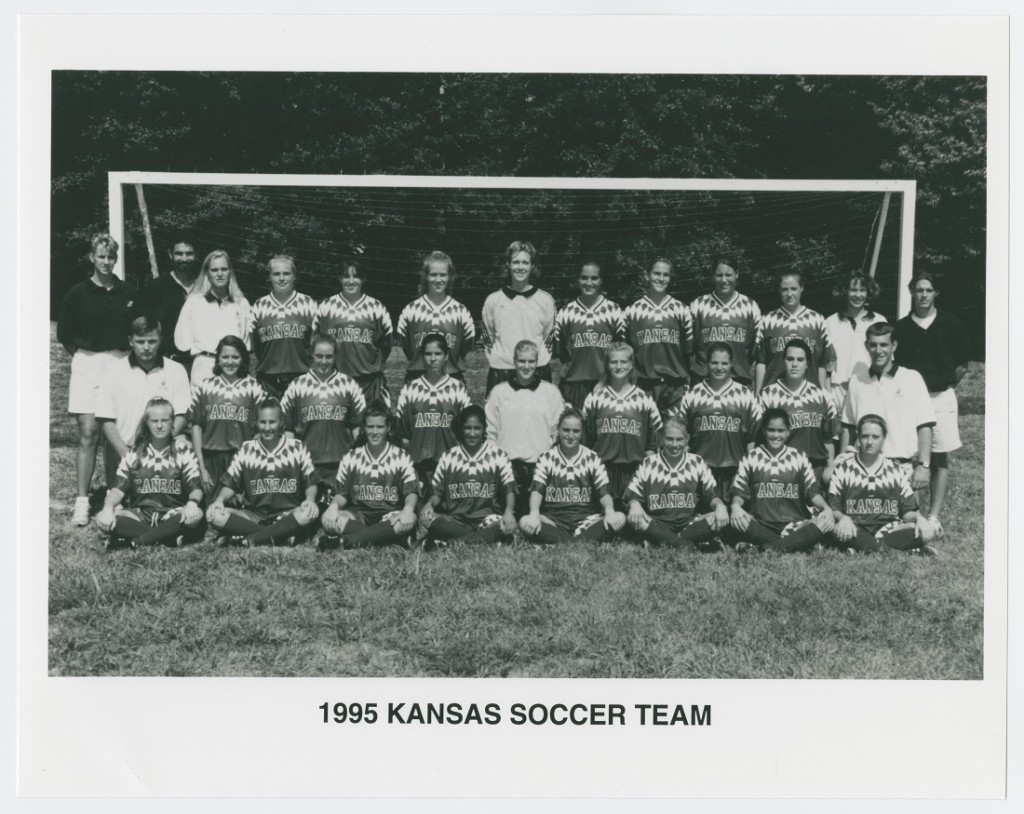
(667, 393)
(375, 388)
(425, 473)
(276, 383)
(575, 393)
(217, 462)
(724, 476)
(619, 476)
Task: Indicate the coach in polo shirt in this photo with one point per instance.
(163, 298)
(898, 394)
(129, 383)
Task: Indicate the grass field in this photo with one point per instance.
(579, 610)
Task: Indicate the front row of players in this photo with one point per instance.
(672, 498)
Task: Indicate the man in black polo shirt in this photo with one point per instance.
(163, 298)
(935, 344)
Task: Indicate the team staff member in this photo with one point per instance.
(659, 328)
(435, 312)
(362, 328)
(128, 385)
(158, 484)
(518, 311)
(847, 330)
(583, 330)
(280, 326)
(727, 316)
(93, 328)
(935, 344)
(164, 297)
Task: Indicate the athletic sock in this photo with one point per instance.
(277, 533)
(550, 534)
(238, 526)
(379, 534)
(491, 534)
(169, 528)
(129, 527)
(901, 540)
(802, 539)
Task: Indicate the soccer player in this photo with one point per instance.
(872, 502)
(275, 478)
(436, 312)
(375, 504)
(659, 328)
(774, 485)
(216, 308)
(158, 484)
(93, 328)
(223, 411)
(570, 484)
(473, 493)
(362, 328)
(280, 326)
(935, 344)
(620, 421)
(518, 311)
(427, 408)
(793, 321)
(813, 420)
(847, 330)
(583, 330)
(670, 489)
(727, 316)
(721, 417)
(163, 298)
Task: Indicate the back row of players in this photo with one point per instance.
(722, 341)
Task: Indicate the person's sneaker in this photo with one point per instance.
(179, 541)
(928, 551)
(80, 514)
(111, 542)
(743, 547)
(849, 552)
(327, 542)
(818, 548)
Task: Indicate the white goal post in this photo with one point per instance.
(116, 182)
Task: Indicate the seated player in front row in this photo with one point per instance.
(375, 502)
(275, 478)
(668, 492)
(158, 481)
(774, 485)
(569, 484)
(473, 494)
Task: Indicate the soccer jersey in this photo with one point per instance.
(323, 413)
(362, 330)
(737, 323)
(721, 423)
(871, 499)
(673, 494)
(620, 428)
(226, 411)
(776, 489)
(661, 336)
(470, 486)
(778, 327)
(376, 486)
(422, 317)
(581, 336)
(571, 488)
(425, 414)
(158, 480)
(812, 416)
(273, 481)
(280, 333)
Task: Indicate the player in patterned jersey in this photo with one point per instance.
(427, 408)
(223, 411)
(793, 320)
(436, 312)
(873, 504)
(773, 487)
(721, 417)
(362, 328)
(158, 481)
(727, 316)
(620, 421)
(280, 326)
(275, 478)
(670, 489)
(570, 483)
(473, 494)
(659, 328)
(583, 330)
(375, 504)
(813, 420)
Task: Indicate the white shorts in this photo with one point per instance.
(87, 368)
(946, 433)
(202, 369)
(839, 391)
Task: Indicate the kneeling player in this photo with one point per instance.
(667, 491)
(471, 481)
(375, 504)
(569, 483)
(275, 478)
(159, 482)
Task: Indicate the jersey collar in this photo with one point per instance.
(158, 361)
(673, 467)
(436, 308)
(875, 469)
(669, 299)
(277, 448)
(732, 301)
(575, 460)
(601, 300)
(284, 304)
(318, 380)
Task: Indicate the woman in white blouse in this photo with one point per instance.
(216, 308)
